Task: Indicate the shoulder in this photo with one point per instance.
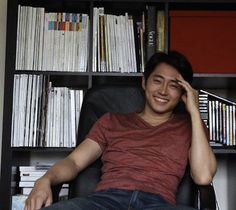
(113, 119)
(113, 116)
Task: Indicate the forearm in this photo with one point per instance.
(63, 171)
(66, 169)
(202, 158)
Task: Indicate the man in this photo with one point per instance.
(144, 154)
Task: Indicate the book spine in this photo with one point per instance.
(150, 31)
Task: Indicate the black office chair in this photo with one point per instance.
(100, 100)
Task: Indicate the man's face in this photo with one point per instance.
(162, 89)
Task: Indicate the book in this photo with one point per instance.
(221, 117)
(150, 31)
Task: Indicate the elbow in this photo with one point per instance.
(203, 179)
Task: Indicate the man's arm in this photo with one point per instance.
(63, 171)
(201, 157)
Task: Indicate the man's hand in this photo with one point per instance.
(40, 196)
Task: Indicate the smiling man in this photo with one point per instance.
(144, 154)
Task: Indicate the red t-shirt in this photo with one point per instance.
(139, 156)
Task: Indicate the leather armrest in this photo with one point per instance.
(206, 197)
(55, 192)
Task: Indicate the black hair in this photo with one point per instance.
(174, 59)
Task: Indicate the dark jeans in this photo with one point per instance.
(116, 199)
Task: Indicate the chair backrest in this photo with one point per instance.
(124, 99)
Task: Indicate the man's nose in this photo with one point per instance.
(163, 89)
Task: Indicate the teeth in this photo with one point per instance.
(161, 100)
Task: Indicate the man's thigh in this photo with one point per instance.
(111, 199)
(74, 204)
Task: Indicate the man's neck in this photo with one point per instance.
(154, 118)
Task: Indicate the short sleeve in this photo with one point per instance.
(98, 131)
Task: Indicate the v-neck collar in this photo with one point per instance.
(153, 126)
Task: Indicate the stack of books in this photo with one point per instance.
(218, 114)
(28, 176)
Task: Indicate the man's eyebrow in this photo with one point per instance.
(158, 76)
(162, 77)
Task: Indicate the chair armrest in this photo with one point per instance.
(206, 197)
(55, 192)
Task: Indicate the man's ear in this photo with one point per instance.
(143, 83)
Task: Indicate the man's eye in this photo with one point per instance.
(174, 86)
(157, 80)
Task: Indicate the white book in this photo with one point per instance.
(115, 43)
(66, 118)
(54, 108)
(32, 41)
(67, 40)
(24, 37)
(84, 42)
(106, 42)
(26, 190)
(51, 56)
(231, 125)
(72, 118)
(210, 120)
(19, 112)
(36, 42)
(70, 45)
(118, 43)
(28, 37)
(227, 125)
(40, 112)
(62, 119)
(58, 118)
(100, 13)
(32, 110)
(29, 178)
(36, 106)
(95, 39)
(78, 104)
(33, 173)
(234, 125)
(127, 45)
(56, 44)
(48, 117)
(26, 184)
(133, 51)
(41, 38)
(46, 40)
(74, 42)
(34, 168)
(224, 123)
(28, 108)
(22, 108)
(18, 37)
(18, 202)
(69, 120)
(14, 128)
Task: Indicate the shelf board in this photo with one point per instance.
(62, 73)
(41, 149)
(224, 150)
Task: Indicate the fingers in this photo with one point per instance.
(48, 202)
(184, 83)
(36, 203)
